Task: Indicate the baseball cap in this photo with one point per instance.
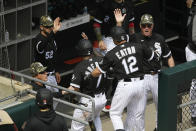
(37, 68)
(46, 21)
(146, 19)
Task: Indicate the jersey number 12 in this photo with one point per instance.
(129, 65)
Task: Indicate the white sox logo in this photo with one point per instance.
(158, 51)
(73, 77)
(106, 19)
(123, 10)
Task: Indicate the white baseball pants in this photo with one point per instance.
(132, 96)
(151, 85)
(52, 80)
(100, 101)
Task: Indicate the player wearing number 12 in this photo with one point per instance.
(126, 60)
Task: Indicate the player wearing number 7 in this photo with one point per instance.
(126, 59)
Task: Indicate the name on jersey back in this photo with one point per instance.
(125, 52)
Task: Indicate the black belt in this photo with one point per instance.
(96, 93)
(152, 73)
(83, 104)
(131, 79)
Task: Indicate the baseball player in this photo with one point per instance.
(126, 59)
(190, 52)
(152, 68)
(104, 20)
(157, 43)
(93, 87)
(45, 49)
(39, 72)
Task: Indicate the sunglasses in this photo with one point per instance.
(146, 25)
(43, 72)
(48, 27)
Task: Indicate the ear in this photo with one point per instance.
(41, 27)
(140, 26)
(152, 26)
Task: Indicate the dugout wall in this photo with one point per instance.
(171, 81)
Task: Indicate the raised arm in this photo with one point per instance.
(57, 25)
(119, 17)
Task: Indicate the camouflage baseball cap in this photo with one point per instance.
(37, 67)
(46, 21)
(146, 19)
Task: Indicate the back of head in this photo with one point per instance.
(146, 19)
(46, 21)
(84, 47)
(44, 98)
(118, 34)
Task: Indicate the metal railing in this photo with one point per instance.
(55, 99)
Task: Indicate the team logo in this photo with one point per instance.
(101, 62)
(106, 19)
(123, 10)
(73, 77)
(122, 37)
(157, 46)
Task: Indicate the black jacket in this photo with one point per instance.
(36, 87)
(46, 121)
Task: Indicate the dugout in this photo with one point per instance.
(174, 81)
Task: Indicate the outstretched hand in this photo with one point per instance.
(57, 25)
(118, 16)
(189, 3)
(58, 77)
(102, 45)
(84, 36)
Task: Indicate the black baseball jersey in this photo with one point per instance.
(126, 60)
(45, 51)
(82, 70)
(105, 15)
(158, 44)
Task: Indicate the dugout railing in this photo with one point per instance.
(23, 77)
(174, 84)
